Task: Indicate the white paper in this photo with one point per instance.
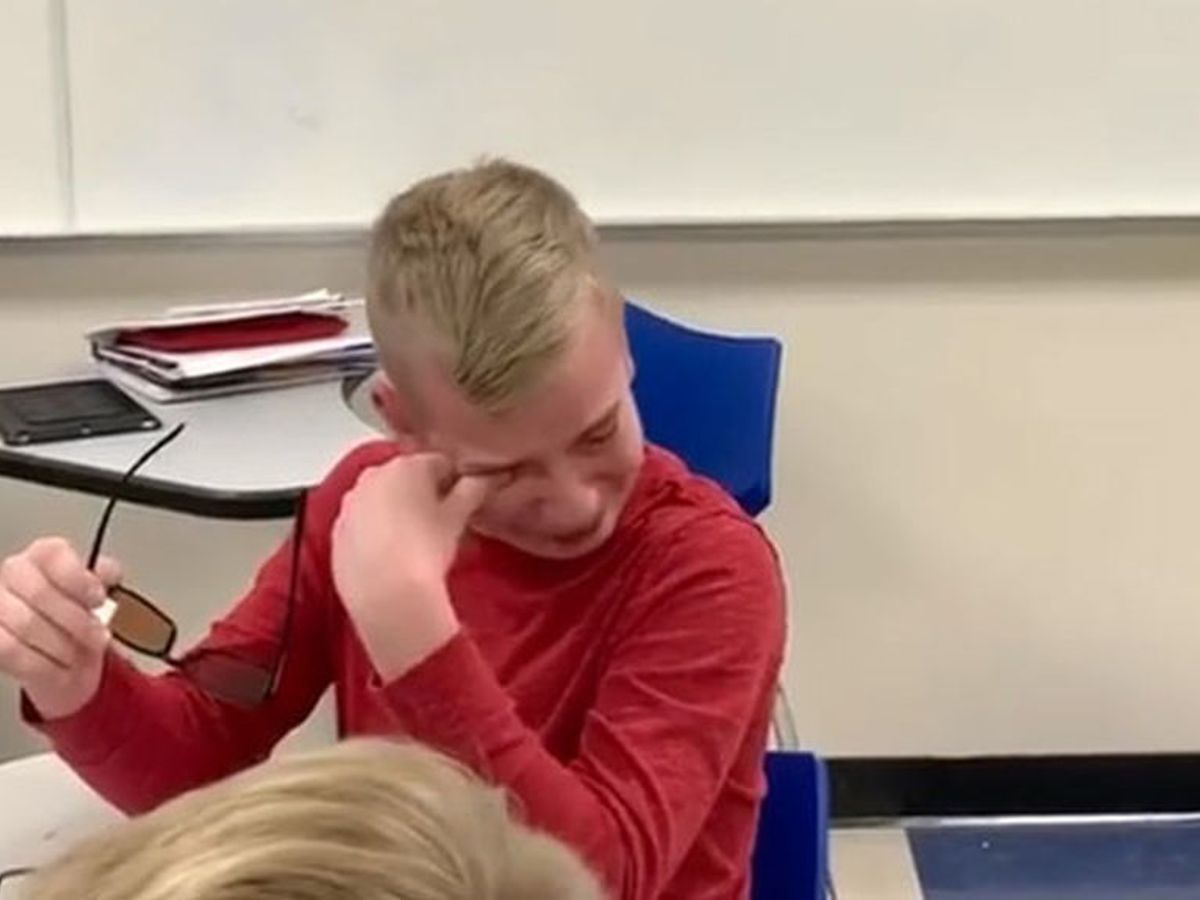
(163, 394)
(319, 299)
(182, 366)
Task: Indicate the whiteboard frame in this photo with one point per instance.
(712, 229)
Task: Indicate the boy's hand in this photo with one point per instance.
(395, 537)
(50, 642)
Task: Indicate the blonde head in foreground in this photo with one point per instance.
(364, 820)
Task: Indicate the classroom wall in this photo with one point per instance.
(305, 111)
(987, 494)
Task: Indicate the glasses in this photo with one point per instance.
(144, 628)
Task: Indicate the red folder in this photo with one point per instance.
(259, 331)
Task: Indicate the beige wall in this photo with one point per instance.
(987, 493)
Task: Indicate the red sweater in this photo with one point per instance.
(623, 698)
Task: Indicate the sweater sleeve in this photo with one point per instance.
(142, 739)
(693, 670)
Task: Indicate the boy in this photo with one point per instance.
(515, 579)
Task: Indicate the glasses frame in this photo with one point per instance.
(268, 679)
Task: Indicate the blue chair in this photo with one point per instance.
(710, 399)
(791, 853)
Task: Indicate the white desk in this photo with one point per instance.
(247, 456)
(45, 810)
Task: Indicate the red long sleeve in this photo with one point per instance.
(144, 739)
(684, 695)
(622, 698)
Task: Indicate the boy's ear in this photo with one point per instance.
(393, 411)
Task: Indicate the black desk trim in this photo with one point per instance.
(241, 505)
(896, 788)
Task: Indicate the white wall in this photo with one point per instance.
(33, 159)
(306, 111)
(986, 489)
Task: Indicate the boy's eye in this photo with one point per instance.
(504, 478)
(600, 435)
(497, 477)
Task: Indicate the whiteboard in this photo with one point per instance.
(250, 113)
(32, 199)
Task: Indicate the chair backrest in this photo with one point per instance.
(710, 399)
(791, 853)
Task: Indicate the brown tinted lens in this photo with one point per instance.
(138, 624)
(228, 678)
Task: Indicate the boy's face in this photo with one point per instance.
(564, 460)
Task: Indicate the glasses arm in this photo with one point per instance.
(293, 587)
(102, 527)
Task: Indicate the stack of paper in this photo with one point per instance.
(201, 351)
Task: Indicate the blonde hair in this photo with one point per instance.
(364, 820)
(486, 265)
